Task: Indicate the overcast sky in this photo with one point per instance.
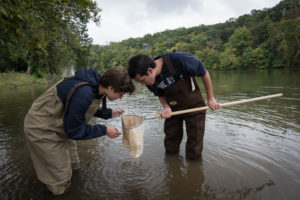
(123, 19)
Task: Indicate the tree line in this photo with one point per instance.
(48, 36)
(268, 38)
(45, 36)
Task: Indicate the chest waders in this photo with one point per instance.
(54, 155)
(184, 95)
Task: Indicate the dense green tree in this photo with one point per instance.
(259, 31)
(258, 56)
(228, 60)
(246, 59)
(240, 40)
(211, 61)
(45, 36)
(286, 33)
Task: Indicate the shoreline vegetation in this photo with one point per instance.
(11, 80)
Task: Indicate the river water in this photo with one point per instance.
(251, 151)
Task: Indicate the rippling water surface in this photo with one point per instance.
(251, 151)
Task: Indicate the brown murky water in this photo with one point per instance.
(251, 151)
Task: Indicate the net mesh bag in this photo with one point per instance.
(133, 134)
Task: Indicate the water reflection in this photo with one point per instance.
(183, 179)
(187, 179)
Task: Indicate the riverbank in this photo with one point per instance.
(14, 79)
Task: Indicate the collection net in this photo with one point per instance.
(133, 134)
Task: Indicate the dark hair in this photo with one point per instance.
(118, 78)
(139, 64)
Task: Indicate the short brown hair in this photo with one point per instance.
(118, 78)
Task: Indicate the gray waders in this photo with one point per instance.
(54, 155)
(184, 95)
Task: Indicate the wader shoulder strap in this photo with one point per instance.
(170, 66)
(72, 91)
(69, 77)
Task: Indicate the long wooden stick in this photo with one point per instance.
(221, 105)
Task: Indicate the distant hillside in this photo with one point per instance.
(268, 38)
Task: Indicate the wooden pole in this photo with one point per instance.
(221, 105)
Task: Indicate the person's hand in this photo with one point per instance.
(212, 104)
(112, 132)
(117, 113)
(166, 112)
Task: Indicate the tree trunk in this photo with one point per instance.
(28, 70)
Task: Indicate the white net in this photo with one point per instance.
(133, 134)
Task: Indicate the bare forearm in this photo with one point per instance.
(211, 101)
(208, 85)
(166, 112)
(163, 102)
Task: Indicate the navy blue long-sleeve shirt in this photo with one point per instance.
(75, 123)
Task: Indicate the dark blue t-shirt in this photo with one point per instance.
(185, 65)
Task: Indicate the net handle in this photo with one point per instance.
(221, 105)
